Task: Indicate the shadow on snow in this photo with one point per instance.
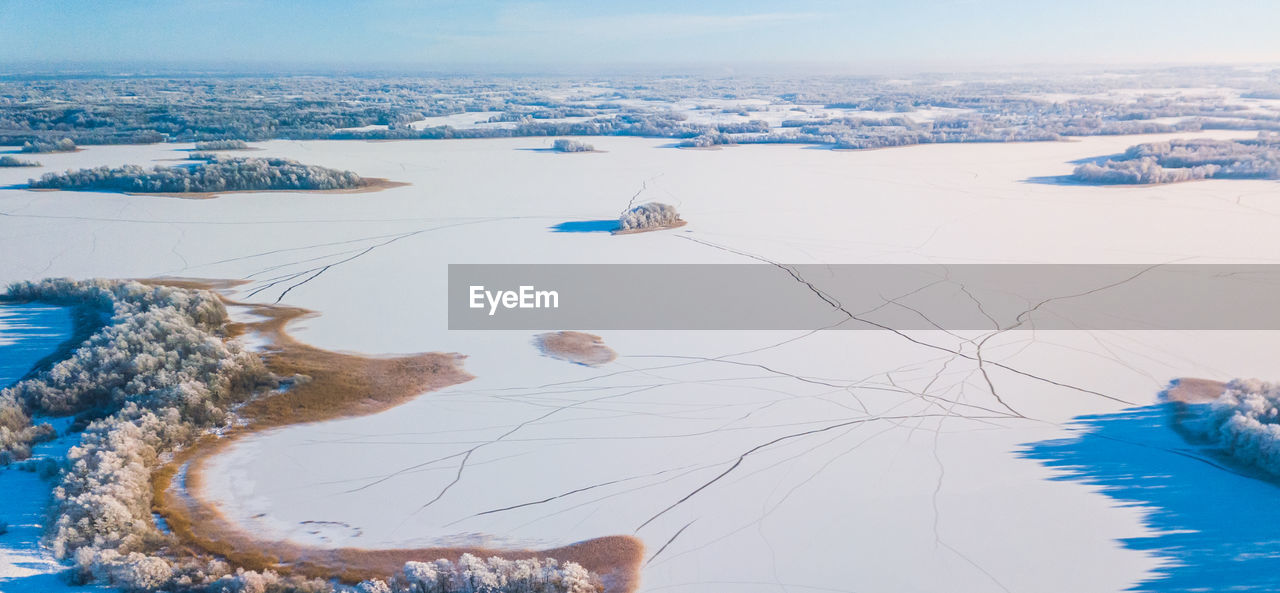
(586, 226)
(1215, 530)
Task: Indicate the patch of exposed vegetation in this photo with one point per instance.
(576, 347)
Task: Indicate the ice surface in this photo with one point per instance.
(751, 461)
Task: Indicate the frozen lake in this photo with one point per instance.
(751, 461)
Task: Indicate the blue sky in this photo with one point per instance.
(542, 36)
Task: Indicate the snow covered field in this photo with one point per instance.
(746, 461)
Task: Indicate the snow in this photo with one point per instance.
(462, 120)
(913, 480)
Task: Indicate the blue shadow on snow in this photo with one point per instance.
(586, 226)
(1216, 530)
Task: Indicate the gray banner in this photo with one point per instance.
(900, 297)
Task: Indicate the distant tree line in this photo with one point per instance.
(108, 110)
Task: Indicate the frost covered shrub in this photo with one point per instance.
(8, 161)
(1141, 171)
(652, 215)
(566, 145)
(705, 141)
(494, 575)
(104, 499)
(1187, 160)
(131, 572)
(157, 375)
(222, 145)
(63, 145)
(1245, 423)
(44, 467)
(159, 347)
(217, 173)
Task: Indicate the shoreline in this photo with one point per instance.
(340, 385)
(675, 225)
(374, 184)
(1186, 392)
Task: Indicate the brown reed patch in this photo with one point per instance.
(577, 347)
(1189, 390)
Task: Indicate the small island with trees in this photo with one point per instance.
(222, 145)
(651, 216)
(38, 146)
(1187, 160)
(9, 161)
(567, 145)
(213, 175)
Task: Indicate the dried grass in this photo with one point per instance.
(339, 385)
(577, 347)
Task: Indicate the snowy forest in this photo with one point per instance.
(837, 111)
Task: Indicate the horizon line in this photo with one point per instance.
(141, 68)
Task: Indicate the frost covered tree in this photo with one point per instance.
(63, 145)
(9, 161)
(705, 141)
(216, 173)
(652, 215)
(1187, 160)
(154, 377)
(1244, 422)
(566, 145)
(472, 574)
(222, 145)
